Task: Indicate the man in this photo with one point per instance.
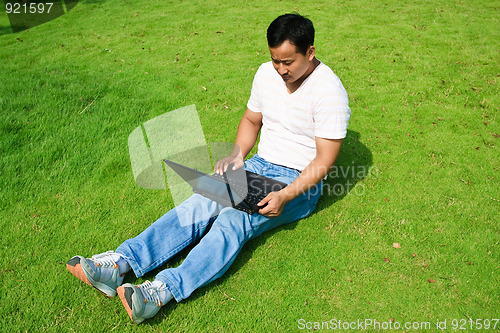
(301, 110)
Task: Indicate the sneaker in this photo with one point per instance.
(143, 301)
(101, 271)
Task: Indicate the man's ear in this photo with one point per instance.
(311, 52)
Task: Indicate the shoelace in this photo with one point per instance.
(150, 293)
(104, 260)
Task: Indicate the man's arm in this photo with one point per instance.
(327, 151)
(248, 131)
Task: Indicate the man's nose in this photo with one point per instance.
(282, 69)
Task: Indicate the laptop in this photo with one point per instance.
(239, 188)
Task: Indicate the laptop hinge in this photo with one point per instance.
(229, 189)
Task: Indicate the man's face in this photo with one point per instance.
(289, 63)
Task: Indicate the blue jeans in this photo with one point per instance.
(221, 232)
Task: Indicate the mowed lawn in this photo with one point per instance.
(406, 231)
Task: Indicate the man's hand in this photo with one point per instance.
(222, 165)
(273, 203)
(327, 151)
(248, 130)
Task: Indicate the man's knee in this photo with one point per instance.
(234, 222)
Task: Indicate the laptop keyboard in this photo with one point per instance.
(254, 188)
(253, 194)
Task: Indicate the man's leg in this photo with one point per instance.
(172, 232)
(212, 256)
(208, 260)
(218, 249)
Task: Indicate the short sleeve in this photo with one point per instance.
(332, 113)
(255, 100)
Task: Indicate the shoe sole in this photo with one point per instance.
(79, 273)
(121, 293)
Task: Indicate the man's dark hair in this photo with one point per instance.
(294, 28)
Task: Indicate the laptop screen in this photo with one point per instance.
(213, 186)
(202, 183)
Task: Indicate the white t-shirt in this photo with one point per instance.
(290, 122)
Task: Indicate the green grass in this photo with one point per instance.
(423, 82)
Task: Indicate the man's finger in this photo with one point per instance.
(236, 165)
(264, 212)
(217, 167)
(266, 209)
(265, 200)
(220, 167)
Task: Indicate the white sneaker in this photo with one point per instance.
(143, 301)
(101, 271)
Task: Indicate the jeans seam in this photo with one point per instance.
(171, 286)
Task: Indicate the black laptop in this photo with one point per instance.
(239, 188)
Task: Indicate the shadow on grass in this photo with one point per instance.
(5, 29)
(353, 165)
(20, 21)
